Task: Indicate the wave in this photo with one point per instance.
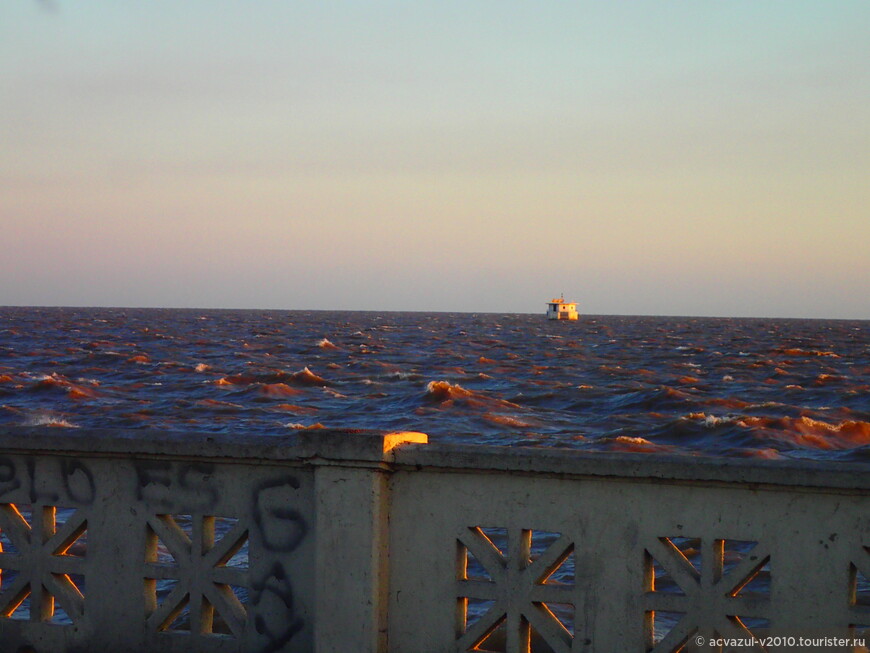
(81, 392)
(47, 419)
(635, 444)
(444, 392)
(293, 408)
(810, 433)
(276, 390)
(825, 379)
(796, 351)
(505, 420)
(50, 382)
(660, 398)
(403, 376)
(58, 382)
(304, 377)
(235, 379)
(726, 402)
(307, 377)
(226, 406)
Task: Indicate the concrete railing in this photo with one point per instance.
(362, 541)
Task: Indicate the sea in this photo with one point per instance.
(696, 386)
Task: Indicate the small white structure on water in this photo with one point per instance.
(559, 309)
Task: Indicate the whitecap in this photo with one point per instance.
(46, 419)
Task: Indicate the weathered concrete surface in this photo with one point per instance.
(621, 520)
(155, 520)
(341, 444)
(693, 469)
(344, 541)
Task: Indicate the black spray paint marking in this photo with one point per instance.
(8, 479)
(76, 477)
(195, 478)
(78, 481)
(188, 487)
(274, 595)
(280, 527)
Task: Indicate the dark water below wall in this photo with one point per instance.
(717, 387)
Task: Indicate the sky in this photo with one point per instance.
(664, 158)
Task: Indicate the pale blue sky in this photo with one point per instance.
(703, 158)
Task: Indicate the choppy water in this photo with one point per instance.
(729, 387)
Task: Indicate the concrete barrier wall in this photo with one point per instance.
(362, 541)
(604, 552)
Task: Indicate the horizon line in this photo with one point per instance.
(357, 310)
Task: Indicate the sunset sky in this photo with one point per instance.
(669, 157)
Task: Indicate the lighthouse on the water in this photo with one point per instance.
(559, 309)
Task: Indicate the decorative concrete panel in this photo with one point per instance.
(154, 554)
(657, 565)
(42, 563)
(349, 541)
